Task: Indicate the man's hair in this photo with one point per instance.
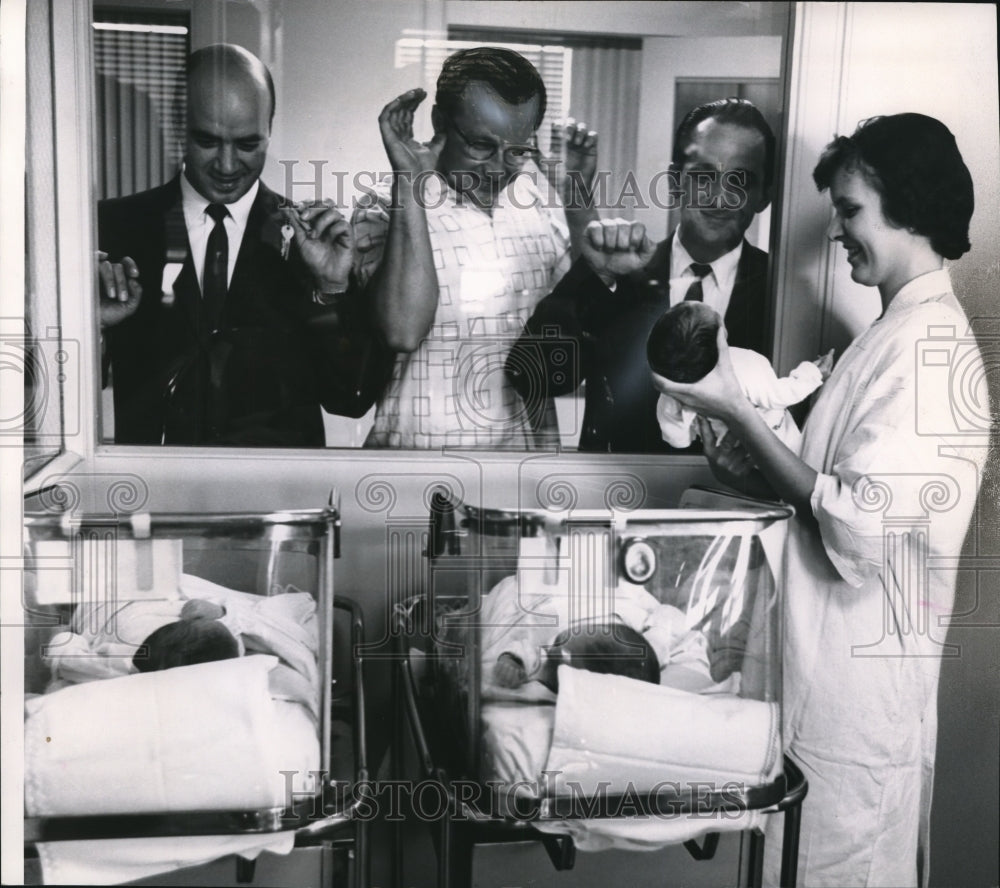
(216, 61)
(508, 73)
(613, 649)
(185, 643)
(682, 345)
(739, 112)
(913, 162)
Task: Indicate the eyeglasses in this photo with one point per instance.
(481, 149)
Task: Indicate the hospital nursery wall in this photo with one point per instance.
(848, 61)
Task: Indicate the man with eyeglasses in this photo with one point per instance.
(457, 252)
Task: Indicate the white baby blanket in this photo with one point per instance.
(611, 728)
(703, 742)
(204, 737)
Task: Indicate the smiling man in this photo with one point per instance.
(227, 315)
(604, 308)
(457, 252)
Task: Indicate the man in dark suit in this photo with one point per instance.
(594, 325)
(228, 315)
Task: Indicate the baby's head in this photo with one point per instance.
(682, 345)
(609, 648)
(197, 637)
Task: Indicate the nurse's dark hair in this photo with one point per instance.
(683, 344)
(913, 162)
(739, 112)
(509, 73)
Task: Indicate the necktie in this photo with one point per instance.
(694, 293)
(216, 272)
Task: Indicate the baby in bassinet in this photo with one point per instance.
(108, 639)
(530, 626)
(682, 347)
(610, 648)
(197, 637)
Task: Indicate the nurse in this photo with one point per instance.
(878, 500)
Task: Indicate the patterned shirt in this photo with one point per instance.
(491, 272)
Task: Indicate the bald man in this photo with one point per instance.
(228, 315)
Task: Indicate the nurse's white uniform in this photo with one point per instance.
(865, 617)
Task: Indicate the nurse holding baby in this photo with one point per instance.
(864, 613)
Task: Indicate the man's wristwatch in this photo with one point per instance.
(328, 296)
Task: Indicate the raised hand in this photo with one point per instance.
(406, 154)
(118, 289)
(324, 240)
(580, 151)
(616, 247)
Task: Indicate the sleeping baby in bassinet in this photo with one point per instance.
(610, 648)
(526, 620)
(204, 700)
(621, 699)
(197, 637)
(206, 623)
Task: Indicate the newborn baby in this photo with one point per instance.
(197, 637)
(531, 627)
(682, 347)
(610, 648)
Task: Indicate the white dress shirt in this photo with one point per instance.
(199, 225)
(717, 287)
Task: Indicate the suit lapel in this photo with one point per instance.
(748, 312)
(742, 277)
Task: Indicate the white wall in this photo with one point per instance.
(854, 61)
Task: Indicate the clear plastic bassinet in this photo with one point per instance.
(87, 577)
(715, 721)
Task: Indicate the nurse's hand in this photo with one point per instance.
(718, 394)
(728, 459)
